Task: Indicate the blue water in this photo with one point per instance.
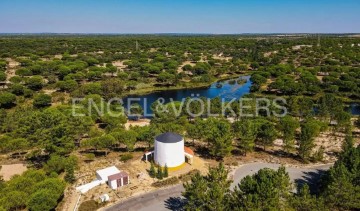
(227, 92)
(354, 108)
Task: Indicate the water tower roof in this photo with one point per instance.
(169, 138)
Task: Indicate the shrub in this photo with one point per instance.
(91, 205)
(166, 171)
(42, 100)
(152, 171)
(126, 157)
(7, 99)
(167, 182)
(318, 156)
(232, 82)
(159, 173)
(35, 83)
(187, 177)
(90, 157)
(2, 76)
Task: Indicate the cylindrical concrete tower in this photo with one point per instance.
(169, 150)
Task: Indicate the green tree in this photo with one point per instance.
(16, 145)
(304, 201)
(35, 83)
(42, 200)
(329, 105)
(105, 142)
(17, 89)
(127, 137)
(288, 126)
(42, 100)
(67, 86)
(152, 171)
(267, 134)
(246, 132)
(301, 107)
(219, 136)
(193, 132)
(2, 76)
(341, 183)
(69, 174)
(113, 122)
(266, 190)
(7, 100)
(136, 110)
(14, 200)
(159, 173)
(166, 171)
(210, 192)
(343, 120)
(147, 134)
(56, 164)
(309, 131)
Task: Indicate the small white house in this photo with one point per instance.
(103, 174)
(111, 176)
(118, 180)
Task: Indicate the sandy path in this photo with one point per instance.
(7, 171)
(140, 123)
(11, 69)
(179, 70)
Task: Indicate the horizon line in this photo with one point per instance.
(180, 33)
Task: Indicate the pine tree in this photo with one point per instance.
(342, 188)
(288, 126)
(305, 201)
(211, 192)
(348, 142)
(152, 171)
(159, 173)
(69, 176)
(264, 190)
(306, 143)
(166, 171)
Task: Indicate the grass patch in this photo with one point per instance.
(90, 205)
(187, 177)
(167, 182)
(126, 157)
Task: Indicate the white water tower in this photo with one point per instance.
(169, 150)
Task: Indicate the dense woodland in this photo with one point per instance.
(39, 75)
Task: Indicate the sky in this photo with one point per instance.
(180, 16)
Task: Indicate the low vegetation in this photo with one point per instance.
(166, 182)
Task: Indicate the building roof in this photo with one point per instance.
(118, 176)
(189, 151)
(169, 138)
(105, 173)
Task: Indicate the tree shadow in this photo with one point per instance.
(175, 203)
(312, 179)
(203, 152)
(279, 153)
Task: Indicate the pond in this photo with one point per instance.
(227, 89)
(354, 108)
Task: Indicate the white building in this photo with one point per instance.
(112, 176)
(118, 180)
(103, 174)
(169, 150)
